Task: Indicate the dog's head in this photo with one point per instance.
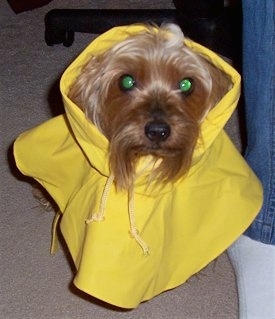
(149, 95)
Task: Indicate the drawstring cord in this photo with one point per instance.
(97, 217)
(133, 229)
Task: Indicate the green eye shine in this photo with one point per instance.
(127, 82)
(186, 85)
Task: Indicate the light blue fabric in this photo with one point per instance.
(259, 89)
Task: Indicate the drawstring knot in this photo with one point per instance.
(95, 218)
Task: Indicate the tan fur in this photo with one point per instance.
(158, 61)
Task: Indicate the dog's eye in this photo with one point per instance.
(186, 86)
(127, 82)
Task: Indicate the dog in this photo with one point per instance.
(155, 96)
(149, 95)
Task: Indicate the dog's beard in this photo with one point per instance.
(126, 149)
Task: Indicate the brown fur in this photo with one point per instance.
(158, 60)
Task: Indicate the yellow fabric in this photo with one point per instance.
(185, 225)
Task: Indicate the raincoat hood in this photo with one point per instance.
(129, 246)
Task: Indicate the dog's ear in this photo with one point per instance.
(84, 91)
(221, 83)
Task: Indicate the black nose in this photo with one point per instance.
(157, 131)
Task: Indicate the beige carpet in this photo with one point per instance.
(34, 284)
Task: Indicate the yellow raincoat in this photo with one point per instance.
(130, 246)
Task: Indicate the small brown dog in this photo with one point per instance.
(148, 95)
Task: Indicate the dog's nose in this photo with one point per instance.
(157, 131)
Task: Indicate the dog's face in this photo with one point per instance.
(149, 95)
